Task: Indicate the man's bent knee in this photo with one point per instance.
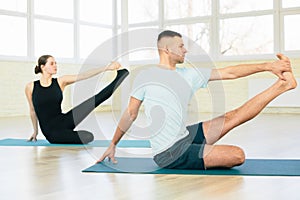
(239, 156)
(223, 156)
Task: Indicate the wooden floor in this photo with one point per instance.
(55, 173)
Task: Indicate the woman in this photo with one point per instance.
(45, 96)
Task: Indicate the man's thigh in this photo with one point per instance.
(222, 156)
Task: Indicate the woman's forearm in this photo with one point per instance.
(96, 71)
(34, 122)
(90, 73)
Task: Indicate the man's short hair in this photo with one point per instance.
(168, 33)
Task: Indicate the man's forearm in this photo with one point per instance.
(124, 124)
(277, 67)
(243, 70)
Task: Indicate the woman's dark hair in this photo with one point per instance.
(42, 61)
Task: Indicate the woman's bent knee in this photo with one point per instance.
(86, 137)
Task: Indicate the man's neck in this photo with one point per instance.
(167, 65)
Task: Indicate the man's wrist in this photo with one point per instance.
(113, 144)
(268, 66)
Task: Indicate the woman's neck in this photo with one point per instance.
(46, 79)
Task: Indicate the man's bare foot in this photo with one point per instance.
(290, 82)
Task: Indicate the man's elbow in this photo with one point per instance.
(132, 115)
(233, 76)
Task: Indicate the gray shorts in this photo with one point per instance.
(186, 153)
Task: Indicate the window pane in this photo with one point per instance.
(54, 8)
(291, 34)
(290, 3)
(175, 9)
(14, 5)
(233, 6)
(98, 11)
(144, 54)
(247, 35)
(141, 27)
(54, 38)
(198, 33)
(13, 36)
(142, 51)
(142, 11)
(91, 38)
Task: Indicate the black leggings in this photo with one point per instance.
(62, 128)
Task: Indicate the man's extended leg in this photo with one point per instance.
(216, 128)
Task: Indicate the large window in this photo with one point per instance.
(140, 11)
(237, 6)
(55, 38)
(290, 3)
(246, 35)
(95, 25)
(291, 33)
(13, 36)
(197, 32)
(14, 5)
(229, 29)
(54, 8)
(68, 29)
(178, 9)
(72, 29)
(96, 11)
(91, 37)
(245, 27)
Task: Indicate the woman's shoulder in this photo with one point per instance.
(29, 86)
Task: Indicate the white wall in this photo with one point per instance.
(15, 75)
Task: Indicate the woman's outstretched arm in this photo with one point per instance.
(69, 79)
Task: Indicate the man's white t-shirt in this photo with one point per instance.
(165, 95)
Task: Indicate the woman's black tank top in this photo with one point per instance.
(47, 101)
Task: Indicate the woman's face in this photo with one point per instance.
(50, 67)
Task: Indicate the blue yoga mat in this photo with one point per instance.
(252, 167)
(96, 143)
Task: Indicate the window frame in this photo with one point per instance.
(122, 25)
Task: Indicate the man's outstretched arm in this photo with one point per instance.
(125, 123)
(238, 71)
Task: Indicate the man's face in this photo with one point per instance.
(177, 50)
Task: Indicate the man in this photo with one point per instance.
(193, 147)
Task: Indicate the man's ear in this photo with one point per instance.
(167, 50)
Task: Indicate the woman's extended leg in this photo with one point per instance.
(70, 137)
(78, 113)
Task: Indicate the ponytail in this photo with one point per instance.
(37, 69)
